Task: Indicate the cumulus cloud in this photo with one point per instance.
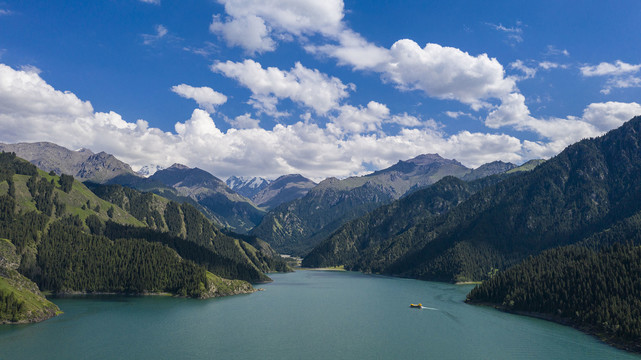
(308, 87)
(155, 2)
(32, 110)
(354, 50)
(410, 121)
(358, 120)
(558, 133)
(439, 71)
(253, 24)
(446, 73)
(248, 32)
(611, 114)
(206, 97)
(244, 121)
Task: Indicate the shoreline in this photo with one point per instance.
(589, 330)
(331, 268)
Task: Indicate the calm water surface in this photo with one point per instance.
(307, 314)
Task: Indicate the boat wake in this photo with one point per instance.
(428, 308)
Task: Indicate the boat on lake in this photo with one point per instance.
(417, 306)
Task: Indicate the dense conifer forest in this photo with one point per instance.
(598, 291)
(66, 242)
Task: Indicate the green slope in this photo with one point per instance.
(297, 226)
(185, 223)
(20, 299)
(366, 244)
(594, 285)
(58, 227)
(586, 188)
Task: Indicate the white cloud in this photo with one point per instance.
(5, 12)
(620, 74)
(457, 114)
(514, 34)
(547, 65)
(610, 115)
(31, 69)
(358, 120)
(441, 72)
(355, 51)
(32, 110)
(253, 24)
(244, 121)
(248, 32)
(528, 72)
(206, 97)
(558, 133)
(308, 87)
(410, 121)
(609, 69)
(155, 2)
(554, 51)
(24, 93)
(446, 73)
(621, 83)
(149, 39)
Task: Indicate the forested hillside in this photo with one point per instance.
(227, 207)
(182, 224)
(364, 243)
(67, 239)
(594, 285)
(297, 226)
(587, 188)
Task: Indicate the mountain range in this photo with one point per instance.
(268, 194)
(558, 238)
(226, 207)
(66, 238)
(466, 232)
(58, 235)
(247, 186)
(82, 164)
(297, 226)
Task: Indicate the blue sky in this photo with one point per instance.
(318, 87)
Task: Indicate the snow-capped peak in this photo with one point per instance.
(149, 170)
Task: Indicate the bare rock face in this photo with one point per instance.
(284, 189)
(83, 164)
(247, 186)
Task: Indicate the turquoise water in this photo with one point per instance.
(307, 314)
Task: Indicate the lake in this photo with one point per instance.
(306, 314)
